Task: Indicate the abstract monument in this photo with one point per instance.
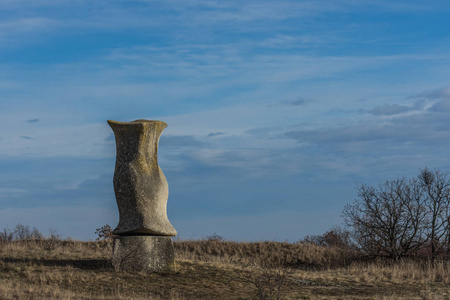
(144, 232)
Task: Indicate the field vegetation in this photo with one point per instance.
(396, 246)
(37, 267)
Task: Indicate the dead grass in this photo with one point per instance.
(212, 270)
(303, 256)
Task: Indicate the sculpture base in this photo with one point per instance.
(143, 254)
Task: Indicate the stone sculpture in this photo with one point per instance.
(141, 189)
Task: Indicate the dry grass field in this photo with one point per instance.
(215, 270)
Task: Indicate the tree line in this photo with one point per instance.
(402, 217)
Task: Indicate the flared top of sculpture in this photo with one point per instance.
(139, 121)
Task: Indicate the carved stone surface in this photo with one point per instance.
(143, 254)
(140, 185)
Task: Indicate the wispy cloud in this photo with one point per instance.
(25, 30)
(438, 100)
(211, 134)
(424, 134)
(24, 25)
(295, 102)
(432, 94)
(33, 120)
(389, 109)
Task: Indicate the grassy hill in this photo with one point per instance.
(55, 269)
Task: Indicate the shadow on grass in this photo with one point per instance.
(84, 264)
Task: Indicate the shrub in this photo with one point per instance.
(268, 278)
(6, 235)
(104, 233)
(53, 241)
(20, 233)
(215, 237)
(335, 237)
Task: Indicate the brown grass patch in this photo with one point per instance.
(212, 270)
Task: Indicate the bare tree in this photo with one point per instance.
(22, 232)
(388, 220)
(436, 186)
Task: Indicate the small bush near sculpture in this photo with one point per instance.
(104, 233)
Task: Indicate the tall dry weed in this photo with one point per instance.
(403, 271)
(269, 280)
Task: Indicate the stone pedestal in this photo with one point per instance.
(143, 254)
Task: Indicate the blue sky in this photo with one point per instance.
(276, 109)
